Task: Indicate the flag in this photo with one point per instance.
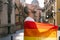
(39, 31)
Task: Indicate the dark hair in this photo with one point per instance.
(26, 10)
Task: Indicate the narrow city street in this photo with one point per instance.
(19, 17)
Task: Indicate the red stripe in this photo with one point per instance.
(30, 25)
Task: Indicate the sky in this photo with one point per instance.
(41, 2)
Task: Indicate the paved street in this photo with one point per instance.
(19, 36)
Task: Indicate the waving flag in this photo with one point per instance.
(39, 31)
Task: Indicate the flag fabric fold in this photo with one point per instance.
(39, 31)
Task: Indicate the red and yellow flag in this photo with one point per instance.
(39, 31)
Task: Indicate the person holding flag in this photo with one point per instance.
(37, 31)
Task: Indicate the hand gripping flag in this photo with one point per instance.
(39, 31)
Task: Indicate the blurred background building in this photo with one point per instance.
(19, 14)
(49, 7)
(35, 2)
(52, 11)
(7, 17)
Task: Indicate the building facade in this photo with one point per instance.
(7, 17)
(36, 3)
(54, 7)
(3, 13)
(19, 13)
(49, 11)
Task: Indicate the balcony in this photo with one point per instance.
(47, 6)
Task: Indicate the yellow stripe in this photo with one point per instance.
(40, 38)
(36, 33)
(43, 27)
